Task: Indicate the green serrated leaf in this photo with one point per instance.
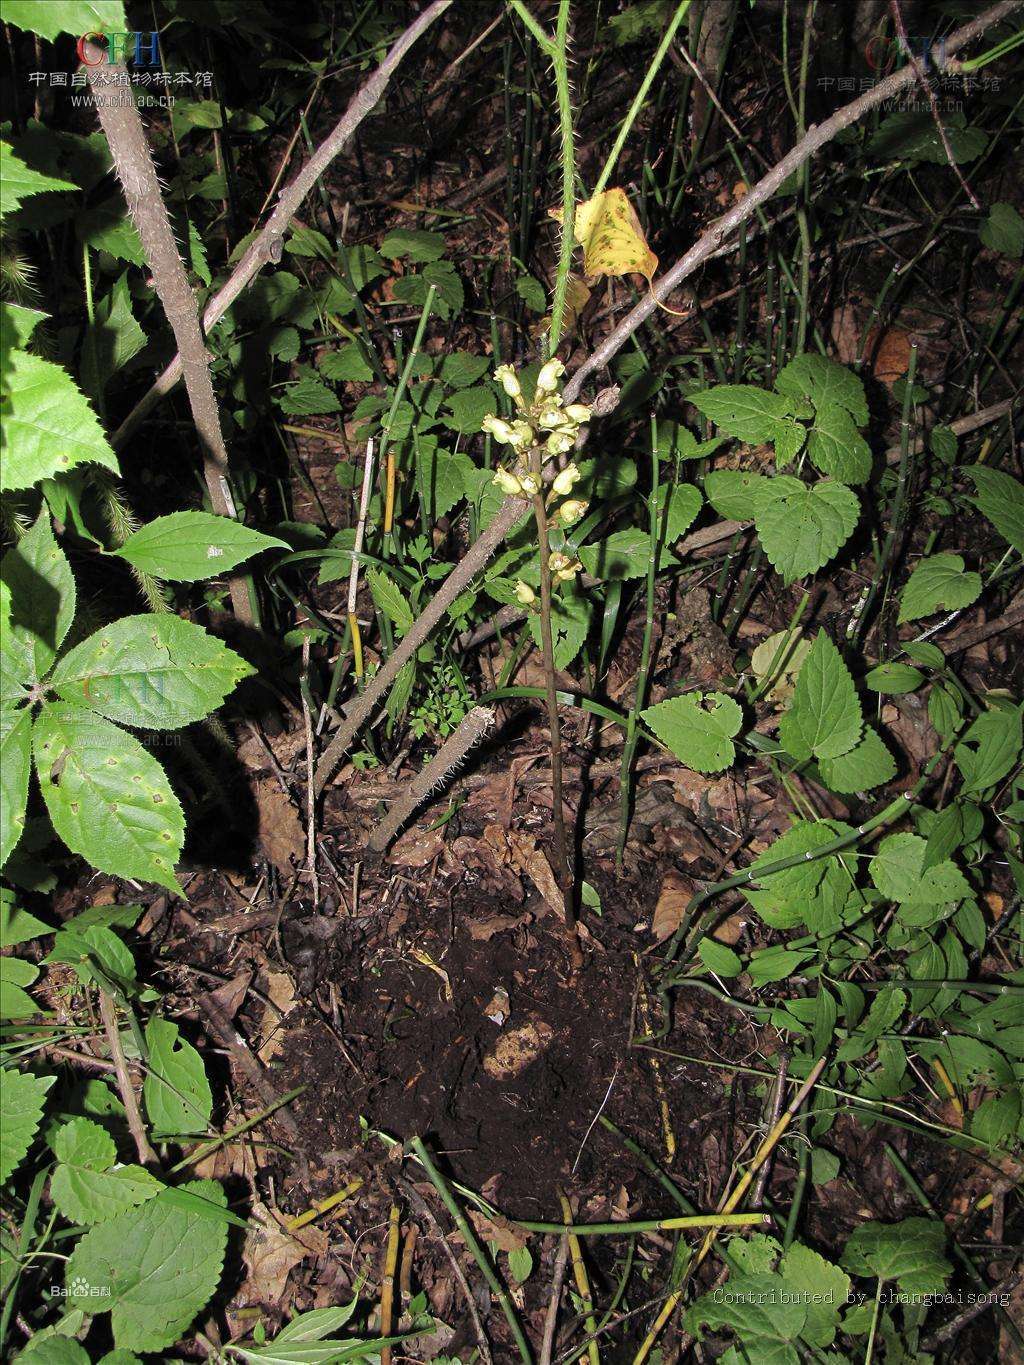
(43, 598)
(307, 397)
(825, 718)
(15, 765)
(825, 384)
(1003, 231)
(21, 1098)
(1001, 499)
(893, 679)
(414, 244)
(911, 1253)
(801, 526)
(49, 426)
(698, 728)
(152, 672)
(345, 365)
(186, 547)
(836, 447)
(66, 16)
(744, 411)
(468, 409)
(16, 1003)
(443, 478)
(107, 227)
(719, 958)
(868, 764)
(938, 583)
(898, 871)
(622, 555)
(677, 506)
(111, 340)
(459, 369)
(108, 799)
(390, 599)
(21, 181)
(821, 1286)
(766, 1321)
(177, 1094)
(87, 1186)
(152, 1268)
(990, 748)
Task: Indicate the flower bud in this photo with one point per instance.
(559, 442)
(509, 381)
(494, 426)
(524, 593)
(529, 484)
(571, 511)
(547, 380)
(565, 480)
(578, 413)
(570, 570)
(507, 482)
(522, 435)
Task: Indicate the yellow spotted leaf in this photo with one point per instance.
(577, 295)
(610, 234)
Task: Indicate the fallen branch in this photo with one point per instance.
(133, 162)
(267, 244)
(513, 508)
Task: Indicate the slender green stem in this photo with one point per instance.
(641, 96)
(560, 61)
(478, 1253)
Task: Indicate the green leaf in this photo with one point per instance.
(744, 411)
(520, 1264)
(448, 292)
(307, 398)
(18, 925)
(766, 1321)
(153, 672)
(797, 894)
(443, 478)
(49, 426)
(43, 599)
(87, 947)
(414, 244)
(390, 599)
(59, 1349)
(938, 583)
(989, 749)
(1003, 231)
(836, 447)
(108, 799)
(17, 325)
(15, 764)
(111, 340)
(683, 503)
(87, 1186)
(868, 764)
(719, 958)
(66, 16)
(898, 871)
(571, 615)
(911, 1253)
(347, 364)
(21, 181)
(176, 1091)
(16, 1003)
(622, 555)
(912, 136)
(825, 384)
(893, 679)
(459, 369)
(468, 409)
(821, 1286)
(737, 494)
(21, 1098)
(801, 527)
(187, 547)
(697, 728)
(825, 718)
(107, 227)
(1001, 499)
(153, 1268)
(531, 291)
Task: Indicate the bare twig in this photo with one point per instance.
(121, 122)
(267, 245)
(551, 1316)
(126, 1090)
(985, 1301)
(454, 750)
(307, 726)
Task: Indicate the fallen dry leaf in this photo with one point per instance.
(270, 1254)
(505, 1235)
(516, 1049)
(280, 1002)
(281, 833)
(417, 848)
(676, 893)
(891, 354)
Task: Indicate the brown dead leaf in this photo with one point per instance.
(505, 1235)
(483, 930)
(281, 833)
(675, 895)
(846, 333)
(515, 1050)
(280, 1002)
(891, 354)
(270, 1254)
(417, 847)
(521, 851)
(230, 995)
